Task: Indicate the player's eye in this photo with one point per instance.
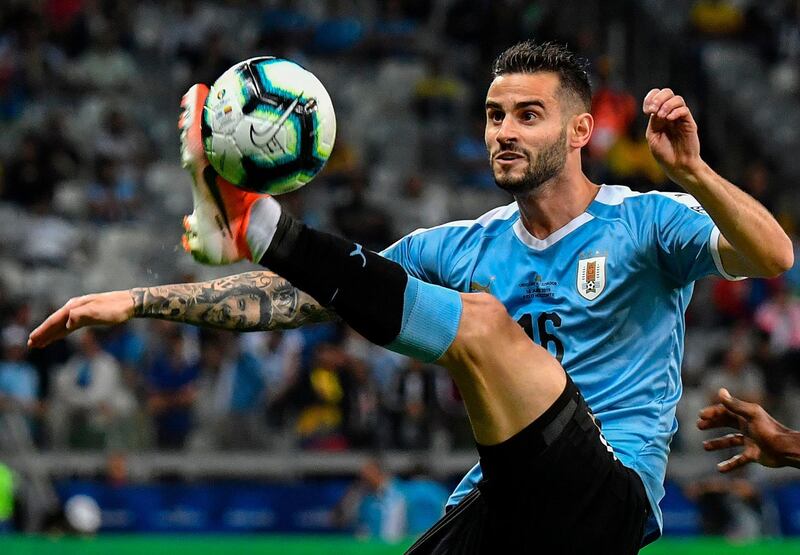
(529, 116)
(495, 116)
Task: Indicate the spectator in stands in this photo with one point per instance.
(188, 31)
(374, 504)
(63, 157)
(116, 471)
(439, 96)
(343, 164)
(124, 143)
(757, 183)
(425, 501)
(106, 66)
(320, 423)
(382, 511)
(361, 221)
(308, 205)
(208, 415)
(89, 403)
(779, 319)
(47, 360)
(172, 390)
(451, 411)
(287, 27)
(13, 96)
(126, 345)
(340, 32)
(717, 18)
(279, 353)
(729, 506)
(630, 162)
(384, 364)
(48, 241)
(68, 25)
(414, 405)
(438, 93)
(40, 61)
(469, 154)
(29, 179)
(614, 110)
(213, 59)
(737, 372)
(111, 197)
(731, 301)
(239, 396)
(394, 33)
(421, 204)
(19, 382)
(361, 406)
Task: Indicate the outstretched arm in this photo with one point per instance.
(751, 242)
(763, 439)
(253, 301)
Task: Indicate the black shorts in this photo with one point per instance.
(553, 488)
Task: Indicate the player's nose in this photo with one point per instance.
(507, 131)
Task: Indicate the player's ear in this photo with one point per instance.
(580, 130)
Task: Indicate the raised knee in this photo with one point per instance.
(483, 317)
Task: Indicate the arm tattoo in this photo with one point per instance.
(253, 301)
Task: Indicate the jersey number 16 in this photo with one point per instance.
(542, 336)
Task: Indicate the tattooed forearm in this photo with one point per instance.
(253, 301)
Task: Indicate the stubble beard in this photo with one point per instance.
(543, 168)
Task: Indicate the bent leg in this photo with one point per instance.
(507, 381)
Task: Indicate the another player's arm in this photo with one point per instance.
(252, 301)
(764, 439)
(752, 243)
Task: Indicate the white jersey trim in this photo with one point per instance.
(499, 213)
(713, 245)
(615, 194)
(540, 244)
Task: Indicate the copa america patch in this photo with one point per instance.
(591, 277)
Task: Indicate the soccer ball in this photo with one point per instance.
(268, 125)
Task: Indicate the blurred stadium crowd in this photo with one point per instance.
(91, 196)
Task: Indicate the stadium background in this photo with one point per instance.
(262, 442)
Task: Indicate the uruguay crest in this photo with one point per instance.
(591, 277)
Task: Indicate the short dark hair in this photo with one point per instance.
(530, 57)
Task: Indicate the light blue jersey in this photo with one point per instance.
(605, 294)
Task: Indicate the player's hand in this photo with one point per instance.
(759, 434)
(100, 309)
(672, 133)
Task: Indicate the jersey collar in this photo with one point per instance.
(540, 244)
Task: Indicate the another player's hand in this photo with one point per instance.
(100, 309)
(759, 433)
(672, 133)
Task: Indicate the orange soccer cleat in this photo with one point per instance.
(217, 228)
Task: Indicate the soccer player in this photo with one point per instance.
(597, 277)
(765, 440)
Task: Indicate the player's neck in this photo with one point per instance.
(556, 203)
